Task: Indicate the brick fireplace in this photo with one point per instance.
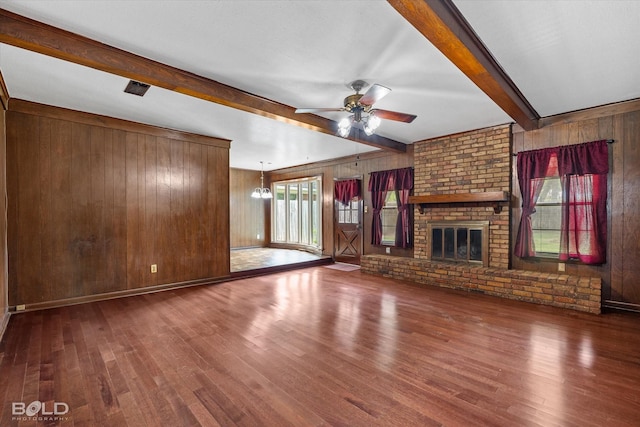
(465, 179)
(473, 163)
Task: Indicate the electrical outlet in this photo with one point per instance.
(258, 236)
(20, 307)
(561, 266)
(154, 268)
(388, 250)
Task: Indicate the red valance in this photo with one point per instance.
(394, 179)
(346, 190)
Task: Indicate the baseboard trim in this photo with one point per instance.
(117, 294)
(619, 305)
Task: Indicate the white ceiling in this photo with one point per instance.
(562, 55)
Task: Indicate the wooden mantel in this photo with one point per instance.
(493, 197)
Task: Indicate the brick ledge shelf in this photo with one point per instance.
(558, 290)
(493, 197)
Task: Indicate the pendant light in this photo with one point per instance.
(261, 192)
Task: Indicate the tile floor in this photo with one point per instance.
(261, 258)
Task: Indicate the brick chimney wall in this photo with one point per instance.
(478, 161)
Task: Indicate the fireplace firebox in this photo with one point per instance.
(459, 242)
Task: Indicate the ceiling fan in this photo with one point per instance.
(361, 108)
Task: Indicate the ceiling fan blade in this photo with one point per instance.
(394, 115)
(375, 93)
(317, 110)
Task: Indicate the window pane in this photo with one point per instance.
(355, 211)
(390, 201)
(551, 191)
(280, 214)
(293, 213)
(545, 223)
(315, 213)
(305, 229)
(389, 215)
(546, 220)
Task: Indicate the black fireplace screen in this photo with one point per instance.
(460, 242)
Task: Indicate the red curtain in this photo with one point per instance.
(533, 167)
(401, 181)
(403, 185)
(378, 185)
(583, 170)
(346, 190)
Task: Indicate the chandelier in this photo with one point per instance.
(261, 192)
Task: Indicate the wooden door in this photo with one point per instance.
(347, 225)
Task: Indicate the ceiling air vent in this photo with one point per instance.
(136, 88)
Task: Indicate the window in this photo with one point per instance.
(381, 185)
(297, 211)
(564, 202)
(348, 214)
(547, 220)
(389, 216)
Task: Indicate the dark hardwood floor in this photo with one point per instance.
(320, 346)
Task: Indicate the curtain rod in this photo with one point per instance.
(408, 167)
(348, 178)
(609, 141)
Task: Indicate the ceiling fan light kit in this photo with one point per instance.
(371, 124)
(344, 126)
(361, 108)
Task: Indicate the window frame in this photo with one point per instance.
(388, 209)
(352, 210)
(553, 256)
(311, 215)
(541, 253)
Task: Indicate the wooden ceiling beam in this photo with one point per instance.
(445, 27)
(26, 33)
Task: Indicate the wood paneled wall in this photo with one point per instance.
(95, 201)
(348, 167)
(4, 288)
(620, 122)
(247, 213)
